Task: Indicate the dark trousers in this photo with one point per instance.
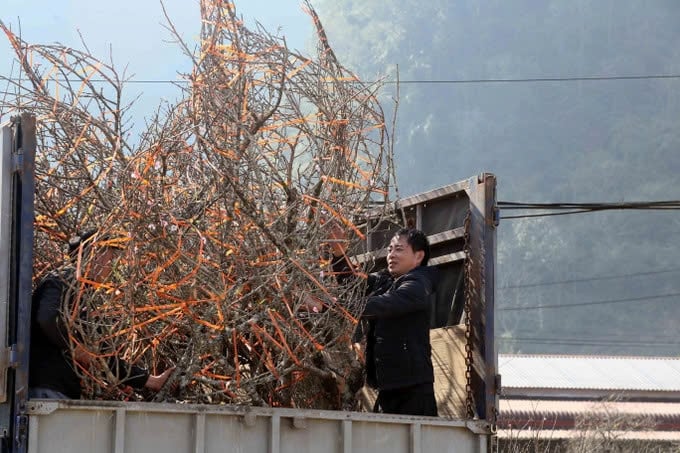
(415, 400)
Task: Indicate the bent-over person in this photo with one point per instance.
(52, 366)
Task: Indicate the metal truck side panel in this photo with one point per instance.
(118, 427)
(482, 256)
(18, 141)
(108, 427)
(5, 252)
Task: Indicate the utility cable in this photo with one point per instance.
(585, 304)
(556, 209)
(446, 81)
(543, 79)
(585, 342)
(590, 279)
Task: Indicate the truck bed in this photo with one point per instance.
(116, 427)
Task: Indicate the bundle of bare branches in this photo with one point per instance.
(225, 206)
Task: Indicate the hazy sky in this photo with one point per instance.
(134, 31)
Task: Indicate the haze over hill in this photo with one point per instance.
(565, 127)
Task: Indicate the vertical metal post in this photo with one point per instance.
(419, 216)
(347, 436)
(199, 433)
(491, 358)
(119, 431)
(6, 206)
(24, 240)
(416, 438)
(275, 434)
(16, 234)
(33, 438)
(482, 194)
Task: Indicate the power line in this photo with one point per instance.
(582, 304)
(439, 81)
(590, 279)
(586, 342)
(664, 204)
(557, 209)
(542, 79)
(577, 342)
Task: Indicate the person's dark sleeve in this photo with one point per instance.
(49, 316)
(410, 296)
(378, 283)
(360, 331)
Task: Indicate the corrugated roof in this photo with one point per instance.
(660, 374)
(527, 408)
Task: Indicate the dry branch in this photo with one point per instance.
(226, 203)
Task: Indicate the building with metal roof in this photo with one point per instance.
(549, 396)
(589, 377)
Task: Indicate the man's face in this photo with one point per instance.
(401, 258)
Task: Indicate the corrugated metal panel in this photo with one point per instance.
(550, 415)
(660, 374)
(525, 408)
(116, 427)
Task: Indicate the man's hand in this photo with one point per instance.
(155, 383)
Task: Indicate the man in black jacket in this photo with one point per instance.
(396, 323)
(52, 364)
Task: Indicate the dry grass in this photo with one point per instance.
(602, 429)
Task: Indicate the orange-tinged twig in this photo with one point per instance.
(137, 326)
(268, 362)
(296, 377)
(311, 277)
(283, 339)
(237, 366)
(336, 215)
(318, 346)
(221, 377)
(353, 185)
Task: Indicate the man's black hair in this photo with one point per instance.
(417, 240)
(84, 238)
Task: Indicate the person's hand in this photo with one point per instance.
(359, 352)
(155, 383)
